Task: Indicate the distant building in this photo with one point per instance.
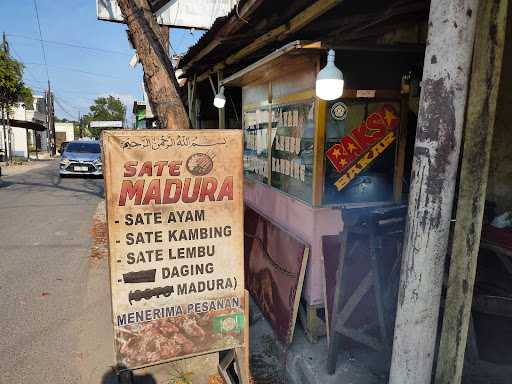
(26, 131)
(64, 132)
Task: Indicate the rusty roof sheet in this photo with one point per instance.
(351, 20)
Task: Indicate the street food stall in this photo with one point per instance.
(305, 161)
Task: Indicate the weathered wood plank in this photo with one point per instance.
(481, 112)
(438, 137)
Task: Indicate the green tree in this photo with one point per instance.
(12, 88)
(104, 109)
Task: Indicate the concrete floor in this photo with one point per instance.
(56, 318)
(44, 268)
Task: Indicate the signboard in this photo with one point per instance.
(198, 14)
(175, 230)
(357, 150)
(106, 124)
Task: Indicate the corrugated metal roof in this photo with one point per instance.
(343, 19)
(208, 36)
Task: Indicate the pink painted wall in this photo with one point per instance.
(303, 221)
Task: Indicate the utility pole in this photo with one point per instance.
(51, 122)
(159, 79)
(438, 138)
(5, 108)
(80, 133)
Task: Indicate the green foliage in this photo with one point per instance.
(12, 88)
(104, 109)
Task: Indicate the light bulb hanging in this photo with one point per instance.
(220, 100)
(329, 81)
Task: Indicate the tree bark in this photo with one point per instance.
(159, 79)
(438, 137)
(478, 134)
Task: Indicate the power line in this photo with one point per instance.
(68, 104)
(42, 43)
(34, 78)
(79, 71)
(124, 53)
(64, 109)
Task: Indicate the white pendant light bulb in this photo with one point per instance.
(329, 81)
(220, 99)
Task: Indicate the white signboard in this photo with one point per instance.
(198, 14)
(106, 124)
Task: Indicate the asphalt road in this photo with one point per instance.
(44, 267)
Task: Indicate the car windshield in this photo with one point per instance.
(83, 148)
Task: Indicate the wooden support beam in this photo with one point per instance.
(281, 32)
(398, 177)
(222, 111)
(438, 137)
(159, 79)
(478, 134)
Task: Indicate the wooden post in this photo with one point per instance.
(222, 111)
(159, 78)
(444, 90)
(4, 124)
(27, 132)
(483, 94)
(398, 177)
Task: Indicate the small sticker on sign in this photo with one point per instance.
(365, 93)
(339, 111)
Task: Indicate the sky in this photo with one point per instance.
(78, 75)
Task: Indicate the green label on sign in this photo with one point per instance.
(229, 323)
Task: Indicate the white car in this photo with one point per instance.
(81, 158)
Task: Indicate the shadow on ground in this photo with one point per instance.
(112, 378)
(48, 179)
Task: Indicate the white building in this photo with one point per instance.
(26, 129)
(64, 132)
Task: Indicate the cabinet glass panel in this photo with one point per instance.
(293, 127)
(256, 123)
(360, 150)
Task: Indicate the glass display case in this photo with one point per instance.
(256, 152)
(344, 155)
(292, 145)
(360, 147)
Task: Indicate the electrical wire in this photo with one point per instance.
(64, 109)
(79, 71)
(65, 44)
(25, 70)
(41, 39)
(238, 14)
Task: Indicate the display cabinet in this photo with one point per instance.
(305, 157)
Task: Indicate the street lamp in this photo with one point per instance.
(329, 81)
(220, 99)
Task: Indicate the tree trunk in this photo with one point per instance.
(436, 156)
(483, 96)
(159, 79)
